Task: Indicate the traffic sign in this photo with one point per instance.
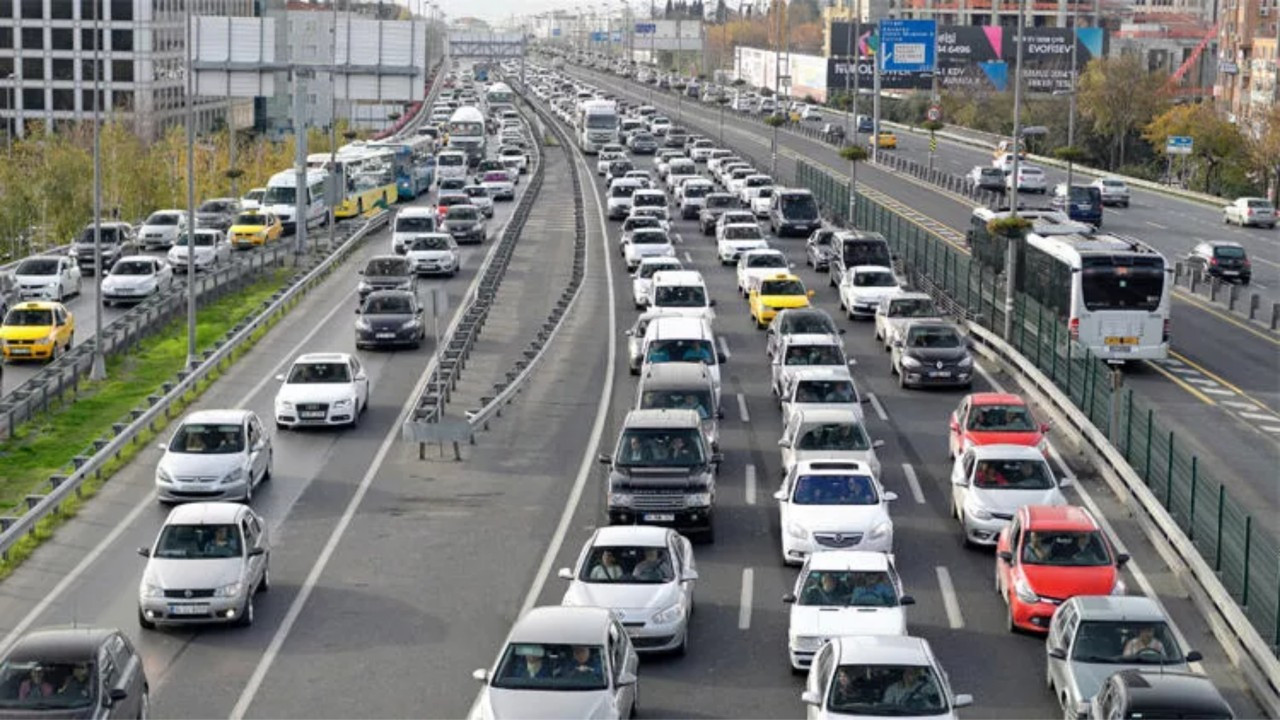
(1179, 145)
(934, 114)
(646, 28)
(909, 45)
(933, 143)
(784, 80)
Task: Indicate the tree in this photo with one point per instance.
(722, 12)
(1117, 95)
(666, 14)
(1264, 151)
(1217, 143)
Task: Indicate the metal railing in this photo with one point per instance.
(1247, 304)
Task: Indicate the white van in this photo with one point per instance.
(451, 164)
(683, 339)
(281, 197)
(681, 292)
(411, 222)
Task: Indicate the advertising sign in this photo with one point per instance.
(809, 77)
(838, 70)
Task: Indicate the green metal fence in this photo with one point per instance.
(1246, 559)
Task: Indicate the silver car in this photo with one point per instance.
(645, 575)
(215, 455)
(896, 311)
(990, 482)
(206, 565)
(1093, 636)
(562, 662)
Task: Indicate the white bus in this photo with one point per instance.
(596, 124)
(499, 95)
(281, 197)
(467, 133)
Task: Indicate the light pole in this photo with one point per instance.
(98, 366)
(12, 123)
(1011, 252)
(333, 136)
(191, 193)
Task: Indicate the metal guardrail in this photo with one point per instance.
(152, 416)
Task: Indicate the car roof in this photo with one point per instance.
(322, 357)
(782, 276)
(826, 414)
(146, 257)
(1223, 243)
(229, 415)
(675, 418)
(1117, 608)
(59, 644)
(995, 399)
(37, 305)
(1058, 517)
(821, 372)
(204, 513)
(848, 560)
(562, 625)
(1171, 693)
(911, 295)
(871, 268)
(883, 650)
(675, 374)
(1006, 452)
(678, 277)
(421, 211)
(680, 326)
(931, 322)
(643, 535)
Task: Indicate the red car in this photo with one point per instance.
(993, 419)
(1049, 554)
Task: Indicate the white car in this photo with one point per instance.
(646, 243)
(756, 265)
(678, 170)
(47, 277)
(864, 286)
(737, 179)
(1250, 211)
(642, 278)
(214, 455)
(640, 221)
(643, 176)
(1114, 191)
(134, 278)
(252, 200)
(162, 228)
(843, 592)
(990, 482)
(608, 154)
(823, 387)
(733, 240)
(797, 351)
(1030, 179)
(756, 180)
(659, 126)
(827, 433)
(701, 151)
(322, 389)
(481, 197)
(212, 249)
(434, 254)
(692, 197)
(830, 505)
(514, 158)
(895, 311)
(759, 199)
(645, 574)
(500, 184)
(898, 676)
(655, 199)
(620, 198)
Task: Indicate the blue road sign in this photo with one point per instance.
(1179, 145)
(555, 32)
(646, 28)
(909, 45)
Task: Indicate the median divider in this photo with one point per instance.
(1235, 298)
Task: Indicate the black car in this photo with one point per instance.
(390, 318)
(1222, 259)
(466, 224)
(386, 272)
(82, 672)
(218, 213)
(117, 240)
(932, 353)
(1159, 694)
(643, 143)
(715, 205)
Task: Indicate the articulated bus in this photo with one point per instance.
(466, 133)
(412, 163)
(366, 179)
(1111, 291)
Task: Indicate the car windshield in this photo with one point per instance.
(874, 278)
(766, 260)
(696, 190)
(664, 351)
(742, 232)
(720, 201)
(886, 691)
(316, 373)
(680, 296)
(387, 266)
(782, 287)
(1258, 204)
(1013, 475)
(202, 240)
(628, 566)
(411, 224)
(644, 138)
(162, 219)
(845, 588)
(807, 323)
(1115, 184)
(1065, 548)
(557, 668)
(826, 391)
(451, 160)
(251, 219)
(799, 207)
(933, 338)
(278, 195)
(636, 222)
(430, 242)
(865, 252)
(476, 191)
(1125, 642)
(27, 684)
(29, 317)
(38, 266)
(1001, 418)
(650, 200)
(699, 400)
(912, 308)
(834, 436)
(198, 542)
(835, 490)
(388, 305)
(109, 235)
(1138, 285)
(649, 237)
(499, 177)
(216, 206)
(133, 267)
(814, 355)
(668, 447)
(622, 191)
(1083, 194)
(208, 439)
(511, 152)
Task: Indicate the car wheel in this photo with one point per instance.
(266, 474)
(246, 615)
(265, 583)
(143, 622)
(144, 704)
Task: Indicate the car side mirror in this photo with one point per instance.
(898, 344)
(689, 576)
(721, 358)
(565, 574)
(789, 598)
(960, 481)
(418, 311)
(955, 426)
(962, 700)
(1066, 482)
(1006, 556)
(809, 697)
(783, 442)
(255, 552)
(865, 399)
(906, 600)
(1195, 656)
(1121, 559)
(1058, 653)
(890, 496)
(717, 458)
(625, 678)
(144, 552)
(877, 444)
(115, 695)
(811, 293)
(605, 459)
(711, 303)
(1045, 427)
(360, 272)
(481, 675)
(628, 333)
(358, 311)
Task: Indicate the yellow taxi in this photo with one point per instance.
(1006, 146)
(254, 227)
(36, 330)
(886, 140)
(771, 294)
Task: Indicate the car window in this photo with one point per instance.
(198, 542)
(911, 307)
(835, 490)
(628, 565)
(841, 588)
(886, 690)
(874, 278)
(782, 287)
(834, 437)
(813, 355)
(134, 267)
(551, 666)
(931, 338)
(208, 439)
(319, 373)
(674, 399)
(1013, 475)
(825, 391)
(1001, 418)
(1128, 642)
(670, 447)
(29, 683)
(680, 296)
(1063, 548)
(29, 318)
(387, 266)
(38, 266)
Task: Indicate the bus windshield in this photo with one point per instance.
(1108, 286)
(466, 128)
(602, 121)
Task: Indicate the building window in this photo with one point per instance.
(122, 99)
(63, 39)
(32, 9)
(121, 9)
(122, 40)
(6, 67)
(86, 99)
(64, 99)
(33, 99)
(64, 69)
(87, 40)
(61, 9)
(89, 7)
(122, 71)
(33, 68)
(33, 38)
(6, 38)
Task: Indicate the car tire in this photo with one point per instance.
(143, 622)
(265, 583)
(246, 615)
(266, 474)
(144, 705)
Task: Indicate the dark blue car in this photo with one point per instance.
(1082, 204)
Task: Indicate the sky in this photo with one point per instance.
(499, 11)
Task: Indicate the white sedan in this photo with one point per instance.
(212, 249)
(864, 286)
(733, 240)
(47, 277)
(642, 279)
(646, 243)
(755, 265)
(433, 254)
(135, 278)
(882, 675)
(322, 389)
(825, 505)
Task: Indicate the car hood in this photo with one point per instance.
(180, 251)
(546, 705)
(636, 603)
(785, 301)
(315, 393)
(25, 332)
(871, 293)
(114, 282)
(1029, 438)
(182, 574)
(36, 279)
(834, 621)
(199, 465)
(932, 355)
(1007, 502)
(387, 322)
(841, 518)
(247, 229)
(1066, 582)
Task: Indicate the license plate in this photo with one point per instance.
(659, 517)
(385, 336)
(311, 414)
(19, 351)
(1121, 341)
(188, 609)
(1230, 272)
(939, 373)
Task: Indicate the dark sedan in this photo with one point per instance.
(932, 353)
(643, 144)
(218, 213)
(81, 672)
(390, 318)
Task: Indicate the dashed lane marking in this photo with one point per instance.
(744, 601)
(751, 485)
(742, 408)
(875, 403)
(724, 348)
(949, 599)
(913, 482)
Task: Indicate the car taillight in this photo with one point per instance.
(1249, 211)
(1073, 326)
(1246, 262)
(1213, 261)
(1164, 336)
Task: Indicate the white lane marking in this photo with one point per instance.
(751, 484)
(679, 238)
(724, 347)
(1217, 391)
(1257, 416)
(1206, 382)
(1271, 428)
(875, 403)
(1156, 225)
(742, 408)
(913, 482)
(687, 257)
(744, 601)
(949, 599)
(1245, 406)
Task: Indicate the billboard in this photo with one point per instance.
(809, 77)
(685, 35)
(838, 77)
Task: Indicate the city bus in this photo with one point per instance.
(1112, 292)
(366, 180)
(467, 133)
(498, 96)
(412, 163)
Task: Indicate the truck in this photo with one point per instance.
(596, 124)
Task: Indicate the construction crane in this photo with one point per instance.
(1176, 78)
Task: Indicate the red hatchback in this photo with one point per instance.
(1048, 555)
(993, 419)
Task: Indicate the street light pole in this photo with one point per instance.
(1075, 83)
(98, 366)
(191, 193)
(1011, 251)
(333, 136)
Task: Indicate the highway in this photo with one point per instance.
(1221, 373)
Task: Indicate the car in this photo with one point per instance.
(36, 330)
(116, 240)
(714, 205)
(851, 248)
(1247, 211)
(466, 223)
(217, 213)
(832, 505)
(76, 660)
(701, 150)
(813, 432)
(385, 272)
(793, 211)
(390, 318)
(481, 197)
(617, 169)
(47, 277)
(619, 202)
(252, 200)
(646, 243)
(455, 185)
(136, 278)
(734, 239)
(608, 154)
(814, 388)
(682, 385)
(1004, 162)
(487, 165)
(562, 662)
(1158, 693)
(1114, 191)
(840, 593)
(931, 353)
(211, 250)
(642, 278)
(987, 178)
(655, 199)
(692, 197)
(161, 228)
(639, 221)
(254, 228)
(895, 311)
(756, 265)
(514, 158)
(1081, 203)
(736, 179)
(214, 455)
(798, 351)
(322, 389)
(646, 181)
(1030, 179)
(636, 336)
(645, 575)
(798, 321)
(500, 184)
(879, 675)
(433, 254)
(818, 249)
(660, 126)
(206, 565)
(643, 143)
(1222, 259)
(1093, 637)
(865, 124)
(750, 182)
(864, 286)
(886, 140)
(781, 291)
(990, 482)
(663, 159)
(994, 419)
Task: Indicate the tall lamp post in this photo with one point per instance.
(191, 193)
(1011, 252)
(98, 366)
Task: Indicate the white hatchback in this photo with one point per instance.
(833, 505)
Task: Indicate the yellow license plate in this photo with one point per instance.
(1121, 341)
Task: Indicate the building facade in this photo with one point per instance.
(1247, 34)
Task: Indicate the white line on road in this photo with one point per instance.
(913, 482)
(679, 238)
(744, 603)
(1246, 406)
(724, 348)
(1257, 416)
(742, 408)
(875, 403)
(949, 600)
(687, 257)
(1271, 428)
(1217, 391)
(751, 484)
(1157, 225)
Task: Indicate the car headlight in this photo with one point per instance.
(668, 615)
(1024, 591)
(163, 476)
(233, 477)
(698, 499)
(881, 531)
(809, 643)
(345, 403)
(977, 512)
(362, 324)
(911, 362)
(284, 405)
(966, 361)
(363, 287)
(620, 499)
(797, 531)
(410, 324)
(229, 590)
(149, 590)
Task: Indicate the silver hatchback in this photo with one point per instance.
(215, 455)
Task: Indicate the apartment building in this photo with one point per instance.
(1248, 31)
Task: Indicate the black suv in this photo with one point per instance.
(117, 241)
(1222, 259)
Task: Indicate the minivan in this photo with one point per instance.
(850, 248)
(682, 339)
(1083, 203)
(793, 212)
(675, 386)
(682, 292)
(409, 223)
